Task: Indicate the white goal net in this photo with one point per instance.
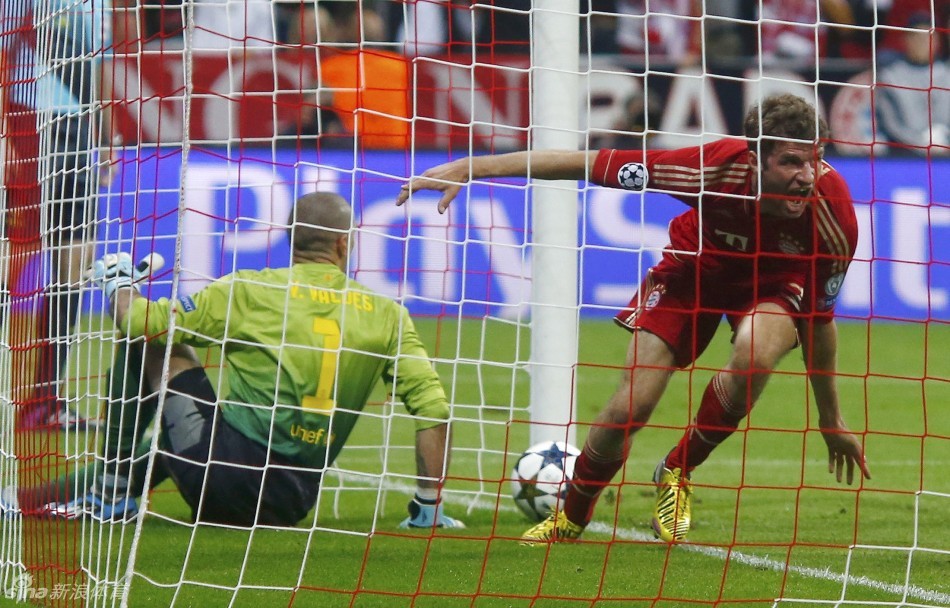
(189, 128)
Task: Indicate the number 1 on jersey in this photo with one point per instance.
(322, 402)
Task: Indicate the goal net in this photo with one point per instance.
(189, 129)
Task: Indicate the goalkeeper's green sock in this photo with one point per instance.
(130, 412)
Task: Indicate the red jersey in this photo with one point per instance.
(741, 250)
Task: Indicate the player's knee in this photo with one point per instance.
(757, 356)
(628, 411)
(181, 359)
(762, 362)
(179, 365)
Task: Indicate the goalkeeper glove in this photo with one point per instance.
(425, 513)
(112, 271)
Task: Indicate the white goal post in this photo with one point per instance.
(554, 288)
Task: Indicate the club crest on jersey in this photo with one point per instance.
(833, 284)
(654, 297)
(633, 176)
(790, 245)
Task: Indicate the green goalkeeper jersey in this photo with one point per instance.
(304, 347)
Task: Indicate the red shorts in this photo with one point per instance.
(21, 174)
(70, 185)
(685, 312)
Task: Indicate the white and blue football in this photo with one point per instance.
(633, 176)
(541, 477)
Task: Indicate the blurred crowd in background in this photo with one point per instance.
(675, 31)
(369, 46)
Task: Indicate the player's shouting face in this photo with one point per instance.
(787, 179)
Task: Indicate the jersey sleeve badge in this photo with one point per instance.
(833, 284)
(633, 176)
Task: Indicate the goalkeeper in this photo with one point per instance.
(304, 347)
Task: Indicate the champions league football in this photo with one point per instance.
(632, 176)
(541, 477)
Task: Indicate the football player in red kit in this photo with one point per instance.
(766, 242)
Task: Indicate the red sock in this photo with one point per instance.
(716, 419)
(32, 499)
(59, 314)
(592, 473)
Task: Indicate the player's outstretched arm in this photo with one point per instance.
(448, 178)
(820, 349)
(109, 147)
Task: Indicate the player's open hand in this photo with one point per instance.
(112, 271)
(447, 178)
(844, 452)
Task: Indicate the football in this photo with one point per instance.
(632, 176)
(541, 477)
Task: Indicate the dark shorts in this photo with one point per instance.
(241, 486)
(70, 178)
(672, 304)
(66, 174)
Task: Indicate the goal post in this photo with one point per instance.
(555, 84)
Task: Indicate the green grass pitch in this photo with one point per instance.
(770, 522)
